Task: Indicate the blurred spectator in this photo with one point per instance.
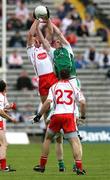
(24, 82)
(20, 18)
(71, 38)
(22, 12)
(103, 33)
(0, 9)
(91, 8)
(60, 12)
(89, 24)
(66, 22)
(15, 60)
(80, 62)
(14, 24)
(29, 21)
(77, 26)
(0, 58)
(56, 21)
(104, 59)
(75, 15)
(63, 9)
(91, 57)
(17, 40)
(17, 115)
(67, 6)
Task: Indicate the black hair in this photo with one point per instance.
(2, 85)
(65, 74)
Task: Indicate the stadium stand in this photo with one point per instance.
(103, 9)
(94, 84)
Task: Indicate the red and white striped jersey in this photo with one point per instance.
(63, 94)
(40, 60)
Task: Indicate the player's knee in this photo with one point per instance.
(77, 154)
(59, 139)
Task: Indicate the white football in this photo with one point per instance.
(40, 12)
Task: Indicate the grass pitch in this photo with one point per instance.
(96, 161)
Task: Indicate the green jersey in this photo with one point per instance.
(66, 59)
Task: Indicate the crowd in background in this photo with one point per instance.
(68, 19)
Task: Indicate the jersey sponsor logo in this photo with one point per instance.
(42, 56)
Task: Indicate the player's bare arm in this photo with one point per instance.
(82, 108)
(6, 116)
(31, 33)
(45, 107)
(49, 34)
(44, 41)
(59, 34)
(50, 26)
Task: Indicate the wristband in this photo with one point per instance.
(37, 117)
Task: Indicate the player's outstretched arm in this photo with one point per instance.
(42, 39)
(31, 33)
(43, 109)
(60, 34)
(50, 27)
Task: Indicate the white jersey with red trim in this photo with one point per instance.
(3, 104)
(40, 60)
(64, 95)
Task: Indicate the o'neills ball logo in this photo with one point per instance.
(42, 56)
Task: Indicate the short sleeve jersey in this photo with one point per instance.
(40, 60)
(64, 95)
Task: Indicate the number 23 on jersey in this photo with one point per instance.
(64, 97)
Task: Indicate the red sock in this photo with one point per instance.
(79, 164)
(43, 161)
(3, 163)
